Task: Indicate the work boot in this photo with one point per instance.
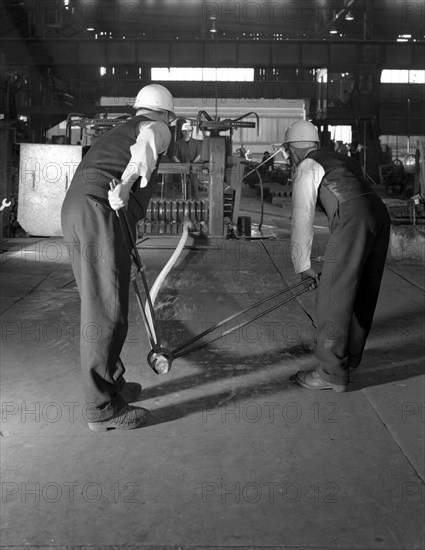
(128, 418)
(131, 392)
(313, 381)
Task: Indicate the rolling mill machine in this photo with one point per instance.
(221, 175)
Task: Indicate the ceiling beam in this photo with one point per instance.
(122, 95)
(208, 53)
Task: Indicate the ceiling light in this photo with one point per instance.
(349, 16)
(90, 29)
(333, 30)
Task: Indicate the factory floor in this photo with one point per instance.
(235, 456)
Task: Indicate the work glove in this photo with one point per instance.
(310, 273)
(118, 197)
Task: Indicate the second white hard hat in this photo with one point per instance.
(186, 126)
(156, 98)
(302, 130)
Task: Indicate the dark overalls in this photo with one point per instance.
(101, 263)
(187, 151)
(353, 266)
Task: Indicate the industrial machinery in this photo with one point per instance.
(408, 177)
(218, 210)
(46, 172)
(90, 127)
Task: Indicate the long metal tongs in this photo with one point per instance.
(185, 349)
(151, 327)
(165, 354)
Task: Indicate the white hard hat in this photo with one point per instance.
(156, 98)
(302, 130)
(186, 126)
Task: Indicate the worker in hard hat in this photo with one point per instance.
(188, 149)
(242, 151)
(130, 154)
(354, 258)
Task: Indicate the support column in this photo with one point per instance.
(5, 165)
(216, 192)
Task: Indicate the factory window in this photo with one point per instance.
(202, 73)
(396, 76)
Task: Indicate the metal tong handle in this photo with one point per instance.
(152, 330)
(179, 351)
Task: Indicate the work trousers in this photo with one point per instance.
(100, 259)
(349, 284)
(194, 183)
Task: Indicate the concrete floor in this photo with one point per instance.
(236, 455)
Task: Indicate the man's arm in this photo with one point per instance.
(153, 139)
(304, 197)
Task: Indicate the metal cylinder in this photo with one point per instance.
(244, 226)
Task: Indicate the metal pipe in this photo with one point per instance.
(262, 200)
(167, 268)
(280, 150)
